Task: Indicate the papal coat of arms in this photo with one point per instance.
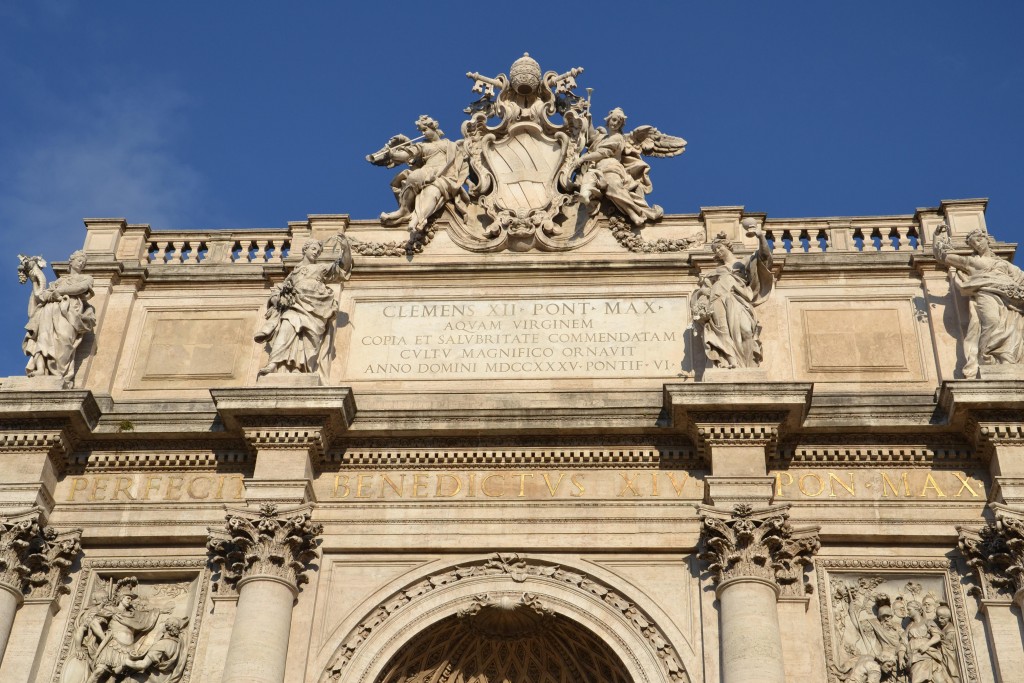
(527, 182)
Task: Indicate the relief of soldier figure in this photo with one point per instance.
(903, 634)
(528, 181)
(120, 638)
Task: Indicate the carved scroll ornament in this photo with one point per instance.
(996, 552)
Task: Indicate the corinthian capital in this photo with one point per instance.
(996, 552)
(270, 544)
(749, 543)
(35, 559)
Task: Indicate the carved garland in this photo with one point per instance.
(414, 245)
(518, 568)
(93, 566)
(949, 569)
(628, 239)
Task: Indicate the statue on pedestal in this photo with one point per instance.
(59, 315)
(723, 305)
(301, 312)
(995, 333)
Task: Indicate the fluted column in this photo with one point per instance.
(264, 555)
(754, 556)
(34, 561)
(996, 552)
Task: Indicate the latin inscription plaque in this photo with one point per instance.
(520, 338)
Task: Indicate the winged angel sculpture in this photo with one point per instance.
(527, 182)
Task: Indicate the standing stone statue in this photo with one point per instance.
(723, 305)
(59, 315)
(920, 652)
(437, 170)
(995, 333)
(301, 312)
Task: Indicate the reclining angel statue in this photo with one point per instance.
(612, 167)
(437, 171)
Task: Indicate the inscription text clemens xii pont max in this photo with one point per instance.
(460, 339)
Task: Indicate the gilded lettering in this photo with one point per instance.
(484, 482)
(677, 486)
(175, 485)
(419, 485)
(804, 478)
(99, 488)
(77, 484)
(628, 485)
(123, 485)
(522, 482)
(341, 484)
(553, 490)
(833, 480)
(578, 484)
(147, 486)
(779, 484)
(196, 493)
(654, 483)
(887, 484)
(397, 488)
(964, 484)
(440, 485)
(360, 484)
(930, 483)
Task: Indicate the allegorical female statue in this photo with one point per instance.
(437, 171)
(301, 312)
(723, 305)
(612, 167)
(59, 315)
(995, 333)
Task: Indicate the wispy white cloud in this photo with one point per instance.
(113, 152)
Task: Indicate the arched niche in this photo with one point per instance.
(583, 602)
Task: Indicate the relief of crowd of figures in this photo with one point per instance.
(893, 628)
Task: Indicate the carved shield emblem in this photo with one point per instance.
(524, 165)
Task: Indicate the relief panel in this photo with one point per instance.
(898, 620)
(134, 619)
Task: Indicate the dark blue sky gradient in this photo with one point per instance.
(231, 114)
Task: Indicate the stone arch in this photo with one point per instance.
(613, 619)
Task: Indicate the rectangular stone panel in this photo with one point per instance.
(517, 338)
(193, 349)
(868, 340)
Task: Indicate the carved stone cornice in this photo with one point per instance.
(56, 442)
(740, 414)
(293, 418)
(34, 558)
(996, 552)
(745, 543)
(996, 428)
(275, 545)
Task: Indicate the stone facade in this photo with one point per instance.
(578, 441)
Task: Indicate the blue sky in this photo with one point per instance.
(232, 114)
